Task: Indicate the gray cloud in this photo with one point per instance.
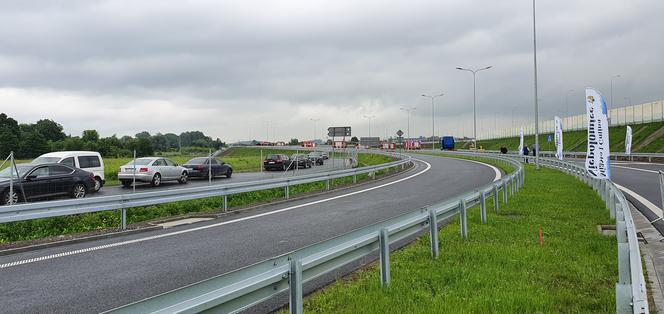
(227, 68)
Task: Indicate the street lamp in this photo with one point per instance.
(408, 110)
(433, 130)
(474, 99)
(537, 151)
(314, 120)
(615, 76)
(369, 118)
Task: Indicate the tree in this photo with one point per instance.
(50, 130)
(9, 135)
(144, 134)
(172, 140)
(73, 143)
(354, 140)
(90, 136)
(32, 144)
(294, 141)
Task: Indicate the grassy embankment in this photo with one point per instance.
(47, 227)
(501, 266)
(576, 140)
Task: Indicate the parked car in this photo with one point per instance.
(301, 160)
(88, 161)
(35, 181)
(199, 167)
(277, 162)
(316, 158)
(154, 170)
(325, 156)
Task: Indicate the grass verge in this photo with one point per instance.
(501, 266)
(92, 222)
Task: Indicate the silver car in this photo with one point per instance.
(154, 170)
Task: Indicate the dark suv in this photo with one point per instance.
(277, 162)
(316, 158)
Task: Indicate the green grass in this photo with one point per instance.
(501, 266)
(576, 140)
(47, 227)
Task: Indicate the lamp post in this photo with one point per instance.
(537, 150)
(369, 117)
(315, 121)
(408, 110)
(433, 130)
(474, 100)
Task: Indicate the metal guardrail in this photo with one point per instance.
(614, 155)
(239, 290)
(28, 211)
(631, 294)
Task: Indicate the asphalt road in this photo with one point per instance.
(101, 275)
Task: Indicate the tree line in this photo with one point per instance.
(29, 140)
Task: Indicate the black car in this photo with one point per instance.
(316, 158)
(277, 162)
(199, 167)
(36, 181)
(302, 161)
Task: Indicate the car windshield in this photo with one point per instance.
(46, 160)
(314, 154)
(5, 173)
(272, 157)
(198, 161)
(140, 161)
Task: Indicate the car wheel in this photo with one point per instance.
(78, 191)
(156, 180)
(97, 186)
(229, 173)
(126, 183)
(184, 178)
(7, 200)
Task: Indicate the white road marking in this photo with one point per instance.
(658, 211)
(498, 173)
(106, 246)
(637, 169)
(111, 245)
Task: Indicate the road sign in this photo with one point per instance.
(338, 131)
(548, 138)
(399, 133)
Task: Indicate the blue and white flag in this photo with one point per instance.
(598, 163)
(628, 141)
(521, 142)
(558, 137)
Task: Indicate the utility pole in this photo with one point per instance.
(537, 150)
(408, 110)
(433, 128)
(474, 99)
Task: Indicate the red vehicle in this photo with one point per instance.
(388, 146)
(308, 144)
(412, 145)
(340, 144)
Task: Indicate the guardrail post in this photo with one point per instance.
(463, 219)
(384, 243)
(483, 206)
(512, 186)
(225, 202)
(496, 207)
(433, 232)
(327, 184)
(287, 191)
(354, 178)
(295, 287)
(123, 218)
(505, 191)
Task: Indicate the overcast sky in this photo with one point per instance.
(234, 69)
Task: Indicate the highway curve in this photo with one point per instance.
(101, 275)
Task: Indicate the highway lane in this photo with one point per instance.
(100, 275)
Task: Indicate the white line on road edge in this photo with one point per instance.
(637, 169)
(498, 173)
(658, 211)
(106, 246)
(111, 245)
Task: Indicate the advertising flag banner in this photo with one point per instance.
(598, 163)
(558, 137)
(521, 142)
(628, 141)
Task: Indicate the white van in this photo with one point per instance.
(88, 161)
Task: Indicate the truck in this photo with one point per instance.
(447, 143)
